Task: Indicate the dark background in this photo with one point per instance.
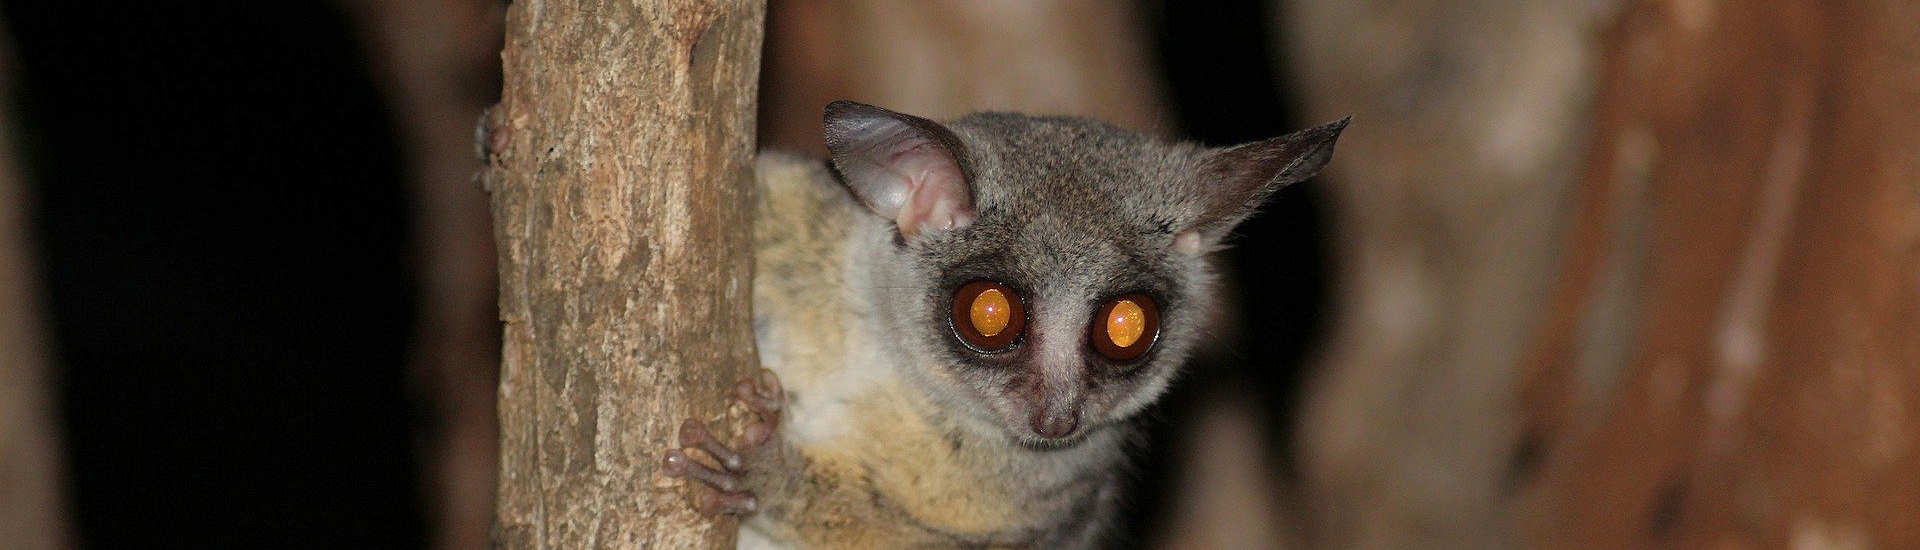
(221, 217)
(221, 226)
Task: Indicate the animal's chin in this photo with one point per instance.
(1030, 441)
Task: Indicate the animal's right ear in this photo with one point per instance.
(903, 167)
(1236, 180)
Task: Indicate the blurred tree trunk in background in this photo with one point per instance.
(440, 62)
(1468, 120)
(1754, 180)
(620, 165)
(943, 59)
(32, 508)
(1716, 349)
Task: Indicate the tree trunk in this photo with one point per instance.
(1447, 192)
(946, 58)
(621, 158)
(1753, 181)
(1715, 348)
(31, 504)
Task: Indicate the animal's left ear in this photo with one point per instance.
(902, 167)
(1234, 181)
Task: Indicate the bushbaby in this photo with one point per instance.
(960, 321)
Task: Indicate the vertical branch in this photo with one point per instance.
(1762, 396)
(31, 504)
(620, 164)
(1468, 131)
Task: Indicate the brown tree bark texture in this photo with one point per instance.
(440, 67)
(621, 171)
(1753, 176)
(32, 508)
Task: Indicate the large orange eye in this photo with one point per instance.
(988, 316)
(1126, 327)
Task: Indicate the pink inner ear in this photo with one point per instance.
(1188, 242)
(937, 196)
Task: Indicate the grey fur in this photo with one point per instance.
(1071, 212)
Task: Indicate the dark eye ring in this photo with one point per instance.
(987, 316)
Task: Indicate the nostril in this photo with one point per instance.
(1055, 426)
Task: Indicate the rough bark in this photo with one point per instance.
(620, 173)
(32, 507)
(440, 68)
(1753, 181)
(1466, 135)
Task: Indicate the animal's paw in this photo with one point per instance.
(763, 398)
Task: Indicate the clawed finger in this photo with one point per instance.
(725, 502)
(694, 434)
(678, 464)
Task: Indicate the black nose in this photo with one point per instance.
(1055, 426)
